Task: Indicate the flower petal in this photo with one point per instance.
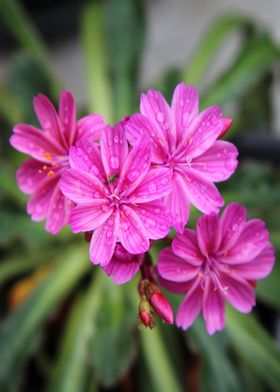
(87, 217)
(67, 115)
(185, 246)
(38, 204)
(155, 185)
(59, 211)
(123, 271)
(238, 292)
(184, 108)
(253, 239)
(82, 187)
(178, 203)
(155, 217)
(175, 287)
(90, 127)
(213, 308)
(137, 125)
(202, 193)
(217, 163)
(86, 156)
(154, 106)
(36, 143)
(232, 223)
(208, 233)
(190, 307)
(259, 267)
(47, 116)
(104, 240)
(172, 267)
(113, 144)
(136, 166)
(132, 233)
(203, 132)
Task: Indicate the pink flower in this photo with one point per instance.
(117, 194)
(185, 142)
(49, 148)
(218, 262)
(123, 265)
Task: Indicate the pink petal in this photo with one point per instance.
(67, 115)
(38, 204)
(47, 116)
(213, 308)
(201, 192)
(190, 307)
(136, 166)
(123, 271)
(232, 223)
(104, 240)
(82, 187)
(175, 287)
(137, 125)
(184, 108)
(252, 240)
(59, 211)
(208, 233)
(155, 185)
(154, 106)
(259, 267)
(32, 141)
(185, 246)
(155, 217)
(217, 163)
(86, 156)
(228, 123)
(114, 149)
(178, 203)
(33, 174)
(90, 127)
(202, 133)
(238, 292)
(132, 233)
(172, 267)
(88, 217)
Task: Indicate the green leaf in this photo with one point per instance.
(218, 372)
(113, 344)
(211, 43)
(254, 346)
(124, 32)
(96, 62)
(255, 58)
(71, 369)
(268, 290)
(16, 332)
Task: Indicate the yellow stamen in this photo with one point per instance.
(48, 156)
(50, 173)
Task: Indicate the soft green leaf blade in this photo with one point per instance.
(113, 345)
(16, 332)
(254, 346)
(268, 290)
(255, 58)
(212, 41)
(71, 369)
(96, 62)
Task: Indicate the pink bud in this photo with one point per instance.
(228, 123)
(162, 307)
(146, 318)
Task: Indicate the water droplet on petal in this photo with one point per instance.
(116, 139)
(160, 117)
(104, 207)
(164, 181)
(114, 162)
(181, 103)
(235, 227)
(47, 124)
(152, 188)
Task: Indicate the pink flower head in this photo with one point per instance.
(218, 262)
(185, 142)
(117, 194)
(49, 148)
(123, 265)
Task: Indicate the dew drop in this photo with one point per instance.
(114, 162)
(47, 124)
(235, 227)
(152, 188)
(116, 139)
(109, 234)
(132, 175)
(164, 181)
(160, 117)
(181, 103)
(104, 208)
(89, 150)
(157, 210)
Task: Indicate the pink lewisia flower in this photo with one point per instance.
(123, 265)
(217, 263)
(117, 195)
(49, 147)
(185, 142)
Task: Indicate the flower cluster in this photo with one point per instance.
(127, 185)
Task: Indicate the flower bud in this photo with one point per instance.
(228, 123)
(162, 307)
(145, 316)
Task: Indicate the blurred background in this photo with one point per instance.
(66, 327)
